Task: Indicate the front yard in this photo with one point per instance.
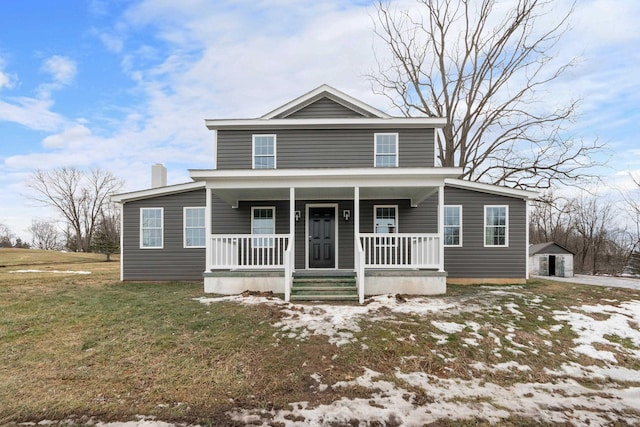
(84, 348)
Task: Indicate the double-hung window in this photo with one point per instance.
(386, 219)
(496, 226)
(264, 152)
(151, 228)
(386, 150)
(263, 222)
(194, 228)
(453, 225)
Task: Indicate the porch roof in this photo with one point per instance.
(414, 184)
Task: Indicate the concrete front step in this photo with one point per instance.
(324, 288)
(324, 297)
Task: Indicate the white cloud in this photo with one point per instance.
(32, 113)
(7, 81)
(62, 69)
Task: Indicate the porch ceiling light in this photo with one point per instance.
(346, 214)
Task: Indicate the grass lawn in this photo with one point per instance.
(87, 348)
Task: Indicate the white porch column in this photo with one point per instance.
(207, 226)
(441, 227)
(356, 220)
(292, 222)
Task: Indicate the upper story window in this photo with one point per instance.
(385, 219)
(386, 150)
(194, 228)
(496, 226)
(453, 225)
(264, 151)
(151, 228)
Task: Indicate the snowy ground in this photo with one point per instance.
(616, 282)
(562, 400)
(592, 384)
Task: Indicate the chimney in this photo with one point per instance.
(158, 176)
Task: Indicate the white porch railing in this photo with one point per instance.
(248, 251)
(401, 250)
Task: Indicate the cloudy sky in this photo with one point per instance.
(124, 84)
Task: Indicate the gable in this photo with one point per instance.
(323, 108)
(548, 248)
(331, 100)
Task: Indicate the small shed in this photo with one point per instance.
(550, 259)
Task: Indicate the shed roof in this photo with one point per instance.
(549, 248)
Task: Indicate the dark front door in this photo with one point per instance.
(552, 265)
(322, 237)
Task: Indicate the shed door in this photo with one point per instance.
(560, 266)
(322, 237)
(544, 265)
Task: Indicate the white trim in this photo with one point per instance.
(506, 230)
(321, 92)
(416, 175)
(273, 216)
(385, 206)
(184, 227)
(161, 228)
(490, 188)
(253, 149)
(153, 192)
(459, 245)
(121, 243)
(306, 234)
(215, 149)
(375, 148)
(441, 201)
(207, 225)
(338, 123)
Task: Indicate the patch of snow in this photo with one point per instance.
(338, 322)
(609, 281)
(51, 271)
(455, 399)
(448, 327)
(623, 322)
(613, 373)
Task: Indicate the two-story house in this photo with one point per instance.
(325, 195)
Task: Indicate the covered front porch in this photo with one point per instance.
(384, 228)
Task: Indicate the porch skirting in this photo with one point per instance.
(410, 282)
(236, 282)
(377, 282)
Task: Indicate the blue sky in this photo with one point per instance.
(124, 84)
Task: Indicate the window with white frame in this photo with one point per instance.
(263, 222)
(386, 150)
(194, 229)
(496, 226)
(385, 219)
(264, 151)
(151, 228)
(453, 225)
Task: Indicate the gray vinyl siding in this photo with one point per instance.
(475, 260)
(323, 108)
(227, 220)
(324, 148)
(421, 219)
(173, 261)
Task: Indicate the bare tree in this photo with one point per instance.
(45, 235)
(106, 239)
(78, 196)
(484, 69)
(551, 219)
(6, 236)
